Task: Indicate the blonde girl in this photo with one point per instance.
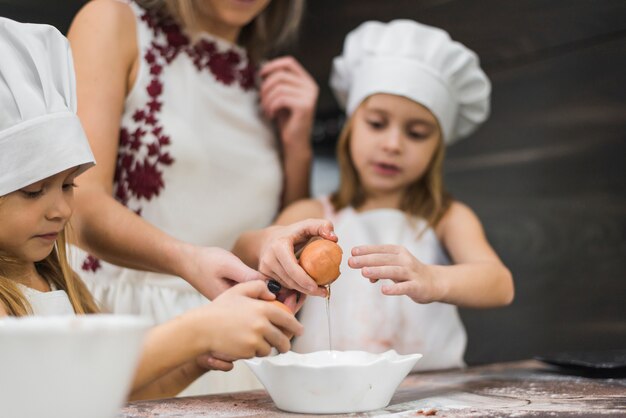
(416, 252)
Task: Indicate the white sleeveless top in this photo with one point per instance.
(195, 159)
(362, 318)
(52, 303)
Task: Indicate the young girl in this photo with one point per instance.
(409, 90)
(197, 140)
(42, 150)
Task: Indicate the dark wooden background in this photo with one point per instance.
(546, 173)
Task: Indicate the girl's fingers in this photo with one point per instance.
(373, 249)
(394, 289)
(277, 338)
(263, 349)
(373, 260)
(281, 320)
(395, 273)
(209, 362)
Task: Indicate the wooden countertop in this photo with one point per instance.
(526, 388)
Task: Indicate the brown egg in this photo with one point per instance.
(321, 259)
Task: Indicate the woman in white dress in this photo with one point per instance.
(196, 139)
(409, 90)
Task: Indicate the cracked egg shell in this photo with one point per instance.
(321, 260)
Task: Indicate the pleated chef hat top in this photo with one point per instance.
(416, 61)
(40, 134)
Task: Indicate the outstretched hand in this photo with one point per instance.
(410, 276)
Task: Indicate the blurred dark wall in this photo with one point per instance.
(546, 173)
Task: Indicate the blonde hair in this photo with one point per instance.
(425, 197)
(272, 29)
(56, 269)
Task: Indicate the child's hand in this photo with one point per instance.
(410, 276)
(245, 325)
(209, 362)
(212, 270)
(278, 261)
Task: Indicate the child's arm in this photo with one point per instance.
(238, 324)
(272, 248)
(478, 279)
(177, 380)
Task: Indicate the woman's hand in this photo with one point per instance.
(288, 96)
(212, 270)
(277, 255)
(410, 276)
(243, 324)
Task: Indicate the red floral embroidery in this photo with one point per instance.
(91, 263)
(142, 151)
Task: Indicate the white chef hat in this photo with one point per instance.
(40, 134)
(416, 61)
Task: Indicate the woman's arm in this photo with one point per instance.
(478, 279)
(103, 41)
(288, 96)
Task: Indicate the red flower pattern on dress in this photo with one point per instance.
(142, 151)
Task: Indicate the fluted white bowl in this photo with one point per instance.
(67, 366)
(330, 382)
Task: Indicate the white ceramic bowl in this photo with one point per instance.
(331, 382)
(67, 366)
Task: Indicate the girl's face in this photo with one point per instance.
(32, 218)
(234, 14)
(392, 142)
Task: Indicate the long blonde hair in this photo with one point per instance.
(265, 34)
(56, 269)
(426, 197)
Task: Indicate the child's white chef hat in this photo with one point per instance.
(416, 61)
(40, 134)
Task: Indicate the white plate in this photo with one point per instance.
(330, 382)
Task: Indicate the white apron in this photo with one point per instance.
(362, 318)
(55, 302)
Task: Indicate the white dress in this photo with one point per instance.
(196, 159)
(52, 303)
(362, 318)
